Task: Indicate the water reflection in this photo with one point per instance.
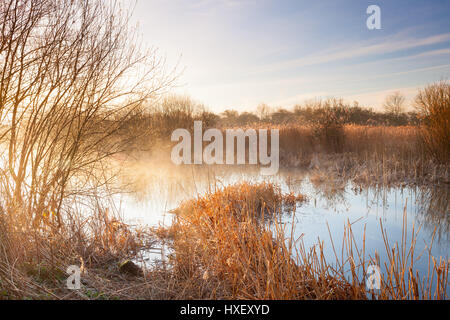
(332, 204)
(433, 209)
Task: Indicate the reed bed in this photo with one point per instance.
(380, 155)
(34, 257)
(222, 251)
(363, 154)
(228, 244)
(402, 141)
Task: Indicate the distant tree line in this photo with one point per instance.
(327, 117)
(175, 111)
(313, 111)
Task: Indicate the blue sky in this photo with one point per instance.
(239, 53)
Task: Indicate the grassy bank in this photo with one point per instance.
(34, 258)
(364, 154)
(223, 251)
(228, 244)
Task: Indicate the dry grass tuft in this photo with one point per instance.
(222, 251)
(34, 258)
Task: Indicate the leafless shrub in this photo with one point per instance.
(329, 127)
(72, 72)
(433, 103)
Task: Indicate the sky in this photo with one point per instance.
(236, 54)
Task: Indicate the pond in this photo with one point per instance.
(331, 206)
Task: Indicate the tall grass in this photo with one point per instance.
(223, 251)
(402, 141)
(228, 244)
(370, 154)
(34, 258)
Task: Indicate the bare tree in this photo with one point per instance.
(263, 111)
(394, 103)
(71, 73)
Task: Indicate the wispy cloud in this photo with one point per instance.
(238, 53)
(349, 51)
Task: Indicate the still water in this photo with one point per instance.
(331, 206)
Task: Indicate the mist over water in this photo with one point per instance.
(331, 207)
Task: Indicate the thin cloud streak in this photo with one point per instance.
(354, 51)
